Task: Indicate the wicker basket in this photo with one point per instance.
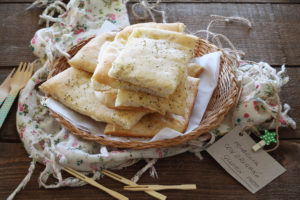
(222, 100)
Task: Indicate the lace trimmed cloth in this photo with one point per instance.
(47, 142)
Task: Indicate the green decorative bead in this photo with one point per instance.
(269, 137)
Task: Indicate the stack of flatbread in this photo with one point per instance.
(139, 80)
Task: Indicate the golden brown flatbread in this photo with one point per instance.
(153, 60)
(86, 58)
(72, 88)
(111, 52)
(130, 100)
(151, 124)
(173, 104)
(126, 32)
(194, 70)
(108, 98)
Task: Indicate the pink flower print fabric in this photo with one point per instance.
(258, 104)
(80, 21)
(248, 112)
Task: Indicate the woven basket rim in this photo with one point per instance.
(207, 123)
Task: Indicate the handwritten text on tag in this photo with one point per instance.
(252, 169)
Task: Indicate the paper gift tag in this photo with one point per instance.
(252, 169)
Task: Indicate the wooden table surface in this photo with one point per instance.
(274, 38)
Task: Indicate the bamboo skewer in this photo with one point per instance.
(131, 183)
(160, 187)
(95, 184)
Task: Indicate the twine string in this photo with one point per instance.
(147, 10)
(48, 13)
(150, 164)
(24, 181)
(277, 122)
(218, 18)
(216, 37)
(254, 129)
(201, 143)
(237, 102)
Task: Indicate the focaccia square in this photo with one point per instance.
(154, 60)
(108, 98)
(126, 32)
(194, 69)
(113, 49)
(72, 88)
(86, 58)
(130, 100)
(174, 103)
(151, 124)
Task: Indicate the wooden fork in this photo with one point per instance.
(5, 87)
(18, 82)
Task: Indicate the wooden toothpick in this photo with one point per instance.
(131, 183)
(94, 183)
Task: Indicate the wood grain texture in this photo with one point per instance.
(186, 1)
(289, 94)
(211, 180)
(216, 1)
(271, 39)
(17, 27)
(273, 35)
(15, 1)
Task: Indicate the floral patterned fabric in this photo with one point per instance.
(48, 142)
(80, 20)
(258, 106)
(45, 140)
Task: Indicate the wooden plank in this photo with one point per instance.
(225, 1)
(211, 180)
(289, 94)
(18, 26)
(187, 1)
(16, 1)
(275, 28)
(271, 39)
